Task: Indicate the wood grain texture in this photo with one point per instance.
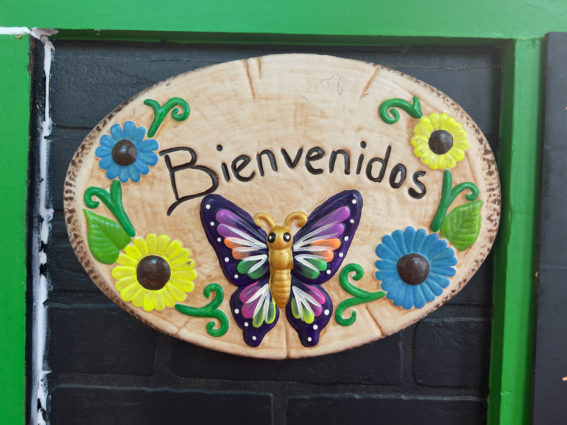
(286, 101)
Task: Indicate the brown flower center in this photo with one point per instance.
(153, 272)
(440, 142)
(124, 152)
(413, 269)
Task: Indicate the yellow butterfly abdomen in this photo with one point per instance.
(280, 284)
(281, 263)
(280, 254)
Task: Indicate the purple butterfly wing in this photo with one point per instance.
(320, 246)
(242, 252)
(239, 243)
(319, 249)
(309, 310)
(255, 311)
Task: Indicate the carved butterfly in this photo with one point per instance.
(273, 271)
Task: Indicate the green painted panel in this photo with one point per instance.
(515, 249)
(435, 18)
(14, 121)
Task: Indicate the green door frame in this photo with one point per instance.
(516, 26)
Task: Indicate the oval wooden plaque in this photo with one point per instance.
(395, 190)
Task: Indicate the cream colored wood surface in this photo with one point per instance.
(287, 101)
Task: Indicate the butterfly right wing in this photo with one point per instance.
(321, 245)
(239, 243)
(309, 310)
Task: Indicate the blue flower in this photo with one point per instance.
(125, 154)
(415, 267)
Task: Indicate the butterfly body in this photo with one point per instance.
(280, 276)
(276, 270)
(280, 254)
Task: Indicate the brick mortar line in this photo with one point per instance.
(150, 383)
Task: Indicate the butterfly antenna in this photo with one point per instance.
(264, 218)
(298, 216)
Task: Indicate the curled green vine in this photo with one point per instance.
(360, 295)
(210, 310)
(179, 108)
(113, 202)
(390, 115)
(448, 195)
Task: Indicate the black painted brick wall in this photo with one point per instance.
(108, 368)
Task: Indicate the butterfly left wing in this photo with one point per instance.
(239, 243)
(255, 311)
(242, 252)
(320, 246)
(309, 310)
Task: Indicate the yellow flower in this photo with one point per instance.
(439, 141)
(154, 273)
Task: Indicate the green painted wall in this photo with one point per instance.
(14, 141)
(438, 18)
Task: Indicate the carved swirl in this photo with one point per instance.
(390, 115)
(360, 295)
(179, 111)
(210, 310)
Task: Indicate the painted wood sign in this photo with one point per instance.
(283, 206)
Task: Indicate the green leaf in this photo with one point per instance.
(106, 237)
(462, 225)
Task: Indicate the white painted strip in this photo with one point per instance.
(314, 235)
(267, 303)
(35, 32)
(250, 239)
(246, 242)
(315, 248)
(243, 249)
(301, 259)
(39, 389)
(261, 302)
(306, 299)
(298, 301)
(311, 257)
(257, 265)
(14, 31)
